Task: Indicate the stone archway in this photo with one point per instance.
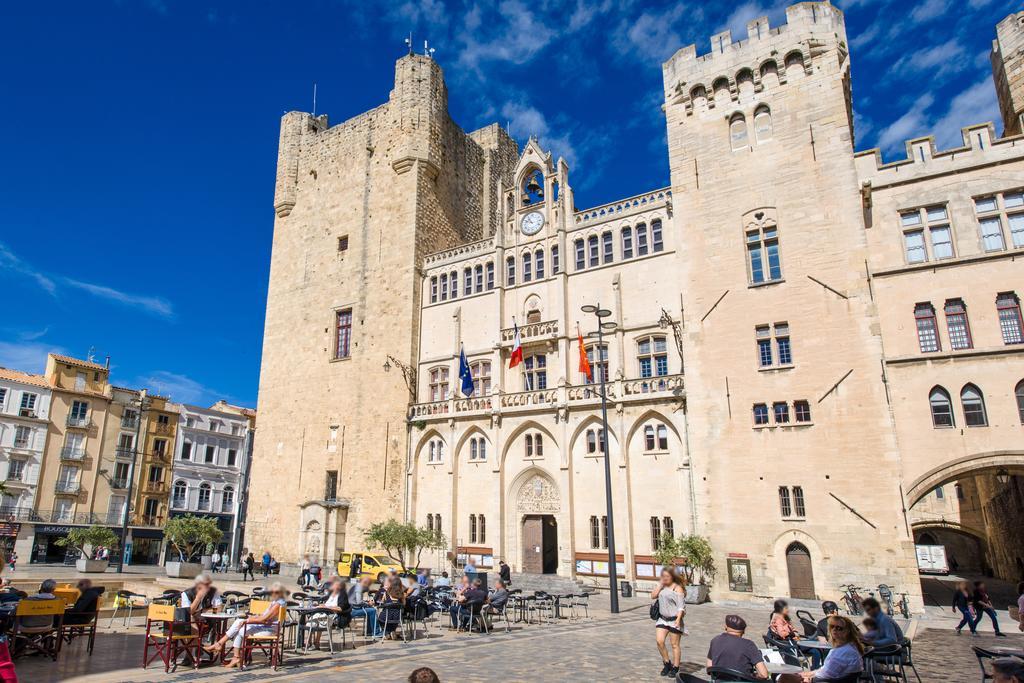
(536, 508)
(960, 468)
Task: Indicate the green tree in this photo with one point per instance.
(698, 560)
(402, 540)
(191, 536)
(80, 537)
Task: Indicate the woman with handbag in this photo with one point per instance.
(668, 609)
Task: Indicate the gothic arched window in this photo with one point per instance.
(738, 132)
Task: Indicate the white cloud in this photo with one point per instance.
(929, 10)
(652, 36)
(912, 124)
(179, 388)
(586, 12)
(938, 60)
(976, 104)
(748, 11)
(27, 356)
(150, 304)
(516, 36)
(9, 261)
(525, 120)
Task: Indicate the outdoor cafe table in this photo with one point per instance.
(776, 669)
(216, 623)
(1007, 650)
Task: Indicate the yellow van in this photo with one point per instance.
(375, 565)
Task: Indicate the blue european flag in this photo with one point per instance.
(465, 375)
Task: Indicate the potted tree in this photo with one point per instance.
(190, 536)
(84, 539)
(699, 567)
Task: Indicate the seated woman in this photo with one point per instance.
(251, 626)
(781, 626)
(390, 603)
(337, 602)
(846, 656)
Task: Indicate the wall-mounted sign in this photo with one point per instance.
(739, 575)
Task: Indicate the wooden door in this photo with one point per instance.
(801, 576)
(533, 541)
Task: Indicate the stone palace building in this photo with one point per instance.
(809, 340)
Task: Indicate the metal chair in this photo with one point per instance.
(311, 624)
(388, 615)
(581, 601)
(129, 600)
(689, 678)
(474, 612)
(721, 673)
(790, 653)
(808, 622)
(908, 658)
(500, 612)
(885, 663)
(982, 654)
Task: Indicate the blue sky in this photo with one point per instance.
(140, 139)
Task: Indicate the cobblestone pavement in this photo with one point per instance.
(604, 648)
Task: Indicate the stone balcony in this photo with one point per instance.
(664, 388)
(531, 332)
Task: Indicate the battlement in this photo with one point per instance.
(981, 146)
(811, 30)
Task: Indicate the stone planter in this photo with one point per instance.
(184, 570)
(697, 593)
(207, 562)
(91, 566)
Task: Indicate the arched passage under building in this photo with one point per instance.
(973, 508)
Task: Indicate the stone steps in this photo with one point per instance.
(549, 583)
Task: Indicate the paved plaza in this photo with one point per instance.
(602, 648)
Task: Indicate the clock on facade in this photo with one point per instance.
(532, 223)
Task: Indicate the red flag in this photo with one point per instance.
(517, 349)
(584, 361)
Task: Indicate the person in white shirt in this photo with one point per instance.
(214, 561)
(337, 602)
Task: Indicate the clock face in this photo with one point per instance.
(532, 223)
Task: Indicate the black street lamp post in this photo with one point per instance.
(600, 314)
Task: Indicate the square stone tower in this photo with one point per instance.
(786, 403)
(1008, 71)
(357, 207)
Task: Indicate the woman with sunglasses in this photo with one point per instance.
(251, 626)
(846, 656)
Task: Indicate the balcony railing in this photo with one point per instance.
(150, 520)
(125, 452)
(67, 487)
(129, 422)
(27, 514)
(155, 486)
(21, 443)
(119, 484)
(531, 332)
(72, 453)
(155, 455)
(179, 503)
(163, 428)
(26, 412)
(78, 421)
(668, 387)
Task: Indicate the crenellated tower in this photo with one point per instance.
(782, 344)
(358, 205)
(1008, 71)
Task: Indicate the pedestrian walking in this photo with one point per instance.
(304, 566)
(962, 604)
(247, 567)
(214, 561)
(670, 596)
(983, 605)
(12, 561)
(266, 563)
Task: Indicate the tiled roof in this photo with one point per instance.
(79, 362)
(23, 377)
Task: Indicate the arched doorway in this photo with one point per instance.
(801, 576)
(536, 506)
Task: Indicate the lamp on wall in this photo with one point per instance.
(1002, 476)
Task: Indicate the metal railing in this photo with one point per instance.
(118, 484)
(124, 452)
(67, 487)
(78, 421)
(150, 520)
(155, 486)
(179, 503)
(72, 453)
(27, 514)
(129, 422)
(163, 428)
(20, 443)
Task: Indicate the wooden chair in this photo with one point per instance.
(70, 631)
(270, 643)
(44, 639)
(68, 593)
(171, 640)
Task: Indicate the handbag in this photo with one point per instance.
(655, 611)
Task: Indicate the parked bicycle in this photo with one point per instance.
(885, 593)
(904, 606)
(851, 599)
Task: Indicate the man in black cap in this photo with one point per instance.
(829, 608)
(730, 650)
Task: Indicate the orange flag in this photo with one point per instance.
(584, 361)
